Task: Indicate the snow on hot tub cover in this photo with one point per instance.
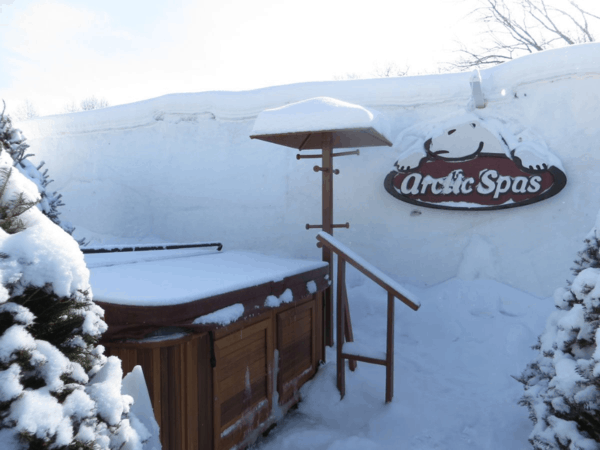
(319, 114)
(142, 293)
(185, 276)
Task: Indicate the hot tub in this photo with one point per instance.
(225, 339)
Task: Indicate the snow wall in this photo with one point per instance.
(181, 168)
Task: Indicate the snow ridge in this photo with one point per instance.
(574, 61)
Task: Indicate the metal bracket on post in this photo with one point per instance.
(299, 156)
(339, 225)
(326, 170)
(353, 152)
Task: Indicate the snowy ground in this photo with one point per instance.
(453, 364)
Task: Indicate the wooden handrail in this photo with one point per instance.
(373, 273)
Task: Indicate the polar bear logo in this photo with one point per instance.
(465, 142)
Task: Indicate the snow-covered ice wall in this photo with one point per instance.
(182, 168)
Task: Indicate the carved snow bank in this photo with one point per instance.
(319, 114)
(450, 139)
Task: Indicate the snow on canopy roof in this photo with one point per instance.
(319, 114)
(121, 279)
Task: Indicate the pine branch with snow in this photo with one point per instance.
(562, 384)
(57, 389)
(13, 141)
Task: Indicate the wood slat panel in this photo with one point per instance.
(296, 344)
(236, 382)
(205, 394)
(243, 333)
(244, 352)
(237, 342)
(296, 332)
(295, 315)
(299, 361)
(252, 356)
(175, 398)
(164, 397)
(256, 343)
(156, 387)
(191, 394)
(238, 434)
(233, 408)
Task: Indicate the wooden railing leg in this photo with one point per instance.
(389, 367)
(341, 369)
(323, 328)
(348, 327)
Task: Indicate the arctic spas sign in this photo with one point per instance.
(457, 173)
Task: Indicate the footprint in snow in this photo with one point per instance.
(483, 313)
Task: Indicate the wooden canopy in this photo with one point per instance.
(313, 140)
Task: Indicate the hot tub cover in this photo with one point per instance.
(142, 292)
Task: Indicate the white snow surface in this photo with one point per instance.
(134, 385)
(41, 254)
(274, 302)
(184, 279)
(223, 316)
(182, 168)
(453, 388)
(318, 114)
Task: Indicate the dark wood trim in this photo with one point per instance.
(327, 221)
(367, 359)
(349, 334)
(389, 363)
(136, 322)
(183, 385)
(134, 344)
(299, 140)
(341, 285)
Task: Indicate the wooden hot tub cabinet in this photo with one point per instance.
(220, 387)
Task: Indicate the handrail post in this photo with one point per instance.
(389, 370)
(349, 335)
(341, 285)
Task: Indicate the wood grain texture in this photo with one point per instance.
(195, 403)
(241, 382)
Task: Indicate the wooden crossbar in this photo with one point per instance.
(351, 357)
(377, 278)
(344, 325)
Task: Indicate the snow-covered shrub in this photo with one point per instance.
(57, 389)
(562, 383)
(13, 141)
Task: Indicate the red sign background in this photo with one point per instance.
(551, 181)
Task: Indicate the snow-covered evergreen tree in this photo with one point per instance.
(562, 383)
(13, 141)
(57, 389)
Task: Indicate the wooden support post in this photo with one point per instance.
(389, 365)
(348, 327)
(321, 305)
(327, 181)
(341, 367)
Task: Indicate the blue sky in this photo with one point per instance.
(58, 51)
